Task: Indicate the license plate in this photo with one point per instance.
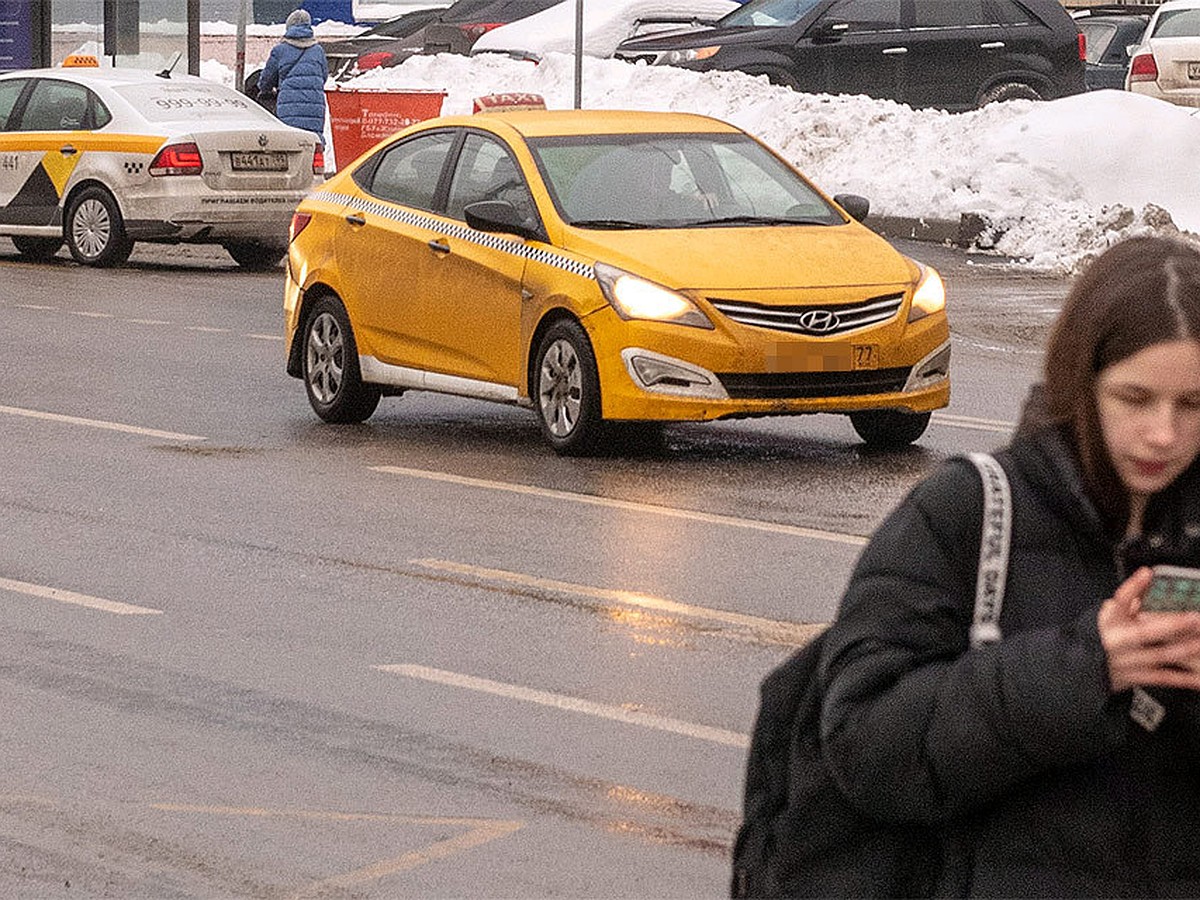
(259, 162)
(1194, 71)
(865, 356)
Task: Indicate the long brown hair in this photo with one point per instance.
(1140, 292)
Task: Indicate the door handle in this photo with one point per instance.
(439, 246)
(356, 218)
(895, 51)
(67, 150)
(993, 45)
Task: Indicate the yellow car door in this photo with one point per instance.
(382, 248)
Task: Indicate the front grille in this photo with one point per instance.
(822, 320)
(804, 385)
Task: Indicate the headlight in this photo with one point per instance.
(680, 56)
(930, 295)
(637, 298)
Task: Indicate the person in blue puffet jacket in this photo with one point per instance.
(297, 69)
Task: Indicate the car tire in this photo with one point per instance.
(331, 374)
(254, 256)
(95, 230)
(1012, 90)
(566, 390)
(39, 249)
(889, 429)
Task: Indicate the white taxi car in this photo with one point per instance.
(103, 157)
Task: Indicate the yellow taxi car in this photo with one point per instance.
(607, 269)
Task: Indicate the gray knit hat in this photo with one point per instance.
(299, 32)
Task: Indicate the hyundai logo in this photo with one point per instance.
(819, 321)
(262, 141)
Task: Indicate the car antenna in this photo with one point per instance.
(166, 73)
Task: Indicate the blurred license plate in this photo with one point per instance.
(1194, 70)
(806, 357)
(259, 162)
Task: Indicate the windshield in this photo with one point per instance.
(769, 13)
(674, 181)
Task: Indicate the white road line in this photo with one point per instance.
(207, 329)
(996, 425)
(266, 337)
(148, 321)
(571, 704)
(790, 632)
(96, 423)
(90, 314)
(61, 596)
(32, 306)
(853, 540)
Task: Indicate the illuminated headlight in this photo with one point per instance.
(690, 55)
(930, 295)
(637, 298)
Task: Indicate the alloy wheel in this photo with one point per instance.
(91, 228)
(325, 350)
(561, 388)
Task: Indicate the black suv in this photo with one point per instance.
(467, 20)
(950, 54)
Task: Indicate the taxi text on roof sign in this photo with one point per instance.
(509, 101)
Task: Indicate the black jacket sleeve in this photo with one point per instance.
(917, 726)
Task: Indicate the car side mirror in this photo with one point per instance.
(855, 206)
(498, 215)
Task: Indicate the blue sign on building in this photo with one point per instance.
(16, 34)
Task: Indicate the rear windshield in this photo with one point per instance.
(189, 101)
(1178, 23)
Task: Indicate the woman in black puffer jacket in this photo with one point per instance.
(1063, 761)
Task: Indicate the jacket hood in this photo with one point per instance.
(299, 35)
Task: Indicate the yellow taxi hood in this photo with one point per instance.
(745, 258)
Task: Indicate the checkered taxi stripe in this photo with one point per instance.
(133, 167)
(483, 239)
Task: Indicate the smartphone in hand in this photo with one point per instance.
(1173, 589)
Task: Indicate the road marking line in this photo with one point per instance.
(208, 329)
(32, 306)
(95, 423)
(90, 315)
(996, 425)
(571, 704)
(61, 596)
(149, 321)
(590, 499)
(787, 632)
(266, 337)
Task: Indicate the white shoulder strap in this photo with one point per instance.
(993, 550)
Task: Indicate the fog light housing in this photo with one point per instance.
(661, 374)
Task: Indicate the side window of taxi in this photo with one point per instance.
(57, 106)
(486, 171)
(409, 173)
(9, 92)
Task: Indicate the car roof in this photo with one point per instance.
(565, 122)
(1178, 4)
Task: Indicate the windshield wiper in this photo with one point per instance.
(614, 224)
(757, 220)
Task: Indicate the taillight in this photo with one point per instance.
(1143, 68)
(177, 159)
(299, 223)
(318, 160)
(1083, 46)
(476, 30)
(372, 60)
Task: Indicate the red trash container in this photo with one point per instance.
(360, 119)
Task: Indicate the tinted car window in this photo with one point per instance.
(865, 15)
(9, 92)
(1009, 12)
(768, 13)
(55, 106)
(1099, 35)
(486, 171)
(949, 13)
(408, 173)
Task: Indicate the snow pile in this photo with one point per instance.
(604, 25)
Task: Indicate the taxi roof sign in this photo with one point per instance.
(81, 60)
(508, 101)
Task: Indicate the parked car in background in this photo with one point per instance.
(604, 26)
(99, 158)
(611, 270)
(1167, 63)
(463, 23)
(1109, 33)
(379, 44)
(951, 54)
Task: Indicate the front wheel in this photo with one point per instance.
(1013, 90)
(254, 256)
(331, 374)
(889, 429)
(95, 230)
(567, 390)
(39, 249)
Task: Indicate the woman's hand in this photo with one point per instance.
(1148, 649)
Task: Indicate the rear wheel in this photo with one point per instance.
(889, 429)
(95, 230)
(36, 248)
(331, 374)
(567, 390)
(1013, 90)
(255, 256)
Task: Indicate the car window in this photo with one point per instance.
(769, 13)
(950, 13)
(1098, 36)
(409, 172)
(486, 171)
(865, 15)
(1008, 12)
(665, 181)
(1178, 23)
(9, 92)
(55, 106)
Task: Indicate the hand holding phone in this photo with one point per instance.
(1173, 589)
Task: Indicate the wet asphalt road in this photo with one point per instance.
(247, 654)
